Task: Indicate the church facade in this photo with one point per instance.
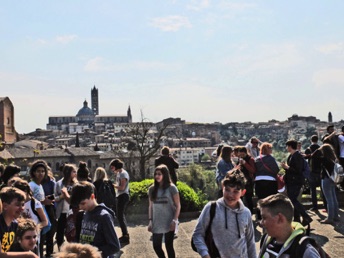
(87, 118)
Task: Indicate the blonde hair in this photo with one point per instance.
(77, 250)
(100, 174)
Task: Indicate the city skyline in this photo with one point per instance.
(203, 61)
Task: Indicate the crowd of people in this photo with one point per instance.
(85, 210)
(34, 212)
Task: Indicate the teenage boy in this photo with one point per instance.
(294, 180)
(97, 227)
(232, 227)
(13, 201)
(283, 234)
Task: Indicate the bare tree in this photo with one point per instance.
(146, 140)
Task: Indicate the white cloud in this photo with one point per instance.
(171, 23)
(197, 5)
(329, 78)
(236, 6)
(65, 39)
(332, 48)
(267, 59)
(100, 64)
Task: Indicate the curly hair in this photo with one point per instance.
(77, 250)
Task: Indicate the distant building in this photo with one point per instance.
(330, 117)
(7, 130)
(87, 118)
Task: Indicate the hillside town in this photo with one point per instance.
(89, 136)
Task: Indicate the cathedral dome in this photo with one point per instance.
(85, 111)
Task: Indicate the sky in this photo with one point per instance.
(201, 60)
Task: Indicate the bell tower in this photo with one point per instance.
(95, 101)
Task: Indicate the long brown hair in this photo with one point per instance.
(67, 172)
(166, 180)
(226, 153)
(328, 152)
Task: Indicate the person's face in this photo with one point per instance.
(28, 240)
(73, 174)
(270, 222)
(242, 155)
(330, 130)
(40, 174)
(158, 176)
(231, 196)
(254, 144)
(14, 209)
(289, 148)
(87, 204)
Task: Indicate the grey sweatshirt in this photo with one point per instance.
(232, 231)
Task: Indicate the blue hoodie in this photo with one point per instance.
(97, 229)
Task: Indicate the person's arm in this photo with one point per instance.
(111, 243)
(199, 232)
(28, 254)
(43, 219)
(176, 201)
(175, 163)
(150, 214)
(250, 166)
(122, 185)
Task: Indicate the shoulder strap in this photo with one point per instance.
(212, 213)
(33, 208)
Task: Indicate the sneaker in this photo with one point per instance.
(326, 221)
(124, 240)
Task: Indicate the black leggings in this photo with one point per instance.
(61, 225)
(122, 202)
(157, 244)
(265, 188)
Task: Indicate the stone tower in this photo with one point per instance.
(330, 117)
(7, 130)
(94, 100)
(130, 118)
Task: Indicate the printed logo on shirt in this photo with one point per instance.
(6, 241)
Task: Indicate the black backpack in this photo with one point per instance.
(299, 246)
(106, 194)
(212, 249)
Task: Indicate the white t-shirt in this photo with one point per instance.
(37, 191)
(28, 213)
(341, 145)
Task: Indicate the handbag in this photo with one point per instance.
(337, 175)
(209, 241)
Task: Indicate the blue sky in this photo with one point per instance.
(202, 61)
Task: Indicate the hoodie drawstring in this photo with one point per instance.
(237, 221)
(226, 217)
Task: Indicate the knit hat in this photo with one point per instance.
(9, 172)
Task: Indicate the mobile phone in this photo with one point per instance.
(51, 197)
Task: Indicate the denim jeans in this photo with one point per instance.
(293, 191)
(314, 182)
(329, 188)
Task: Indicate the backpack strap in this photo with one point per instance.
(33, 208)
(212, 213)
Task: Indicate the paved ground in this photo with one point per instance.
(330, 237)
